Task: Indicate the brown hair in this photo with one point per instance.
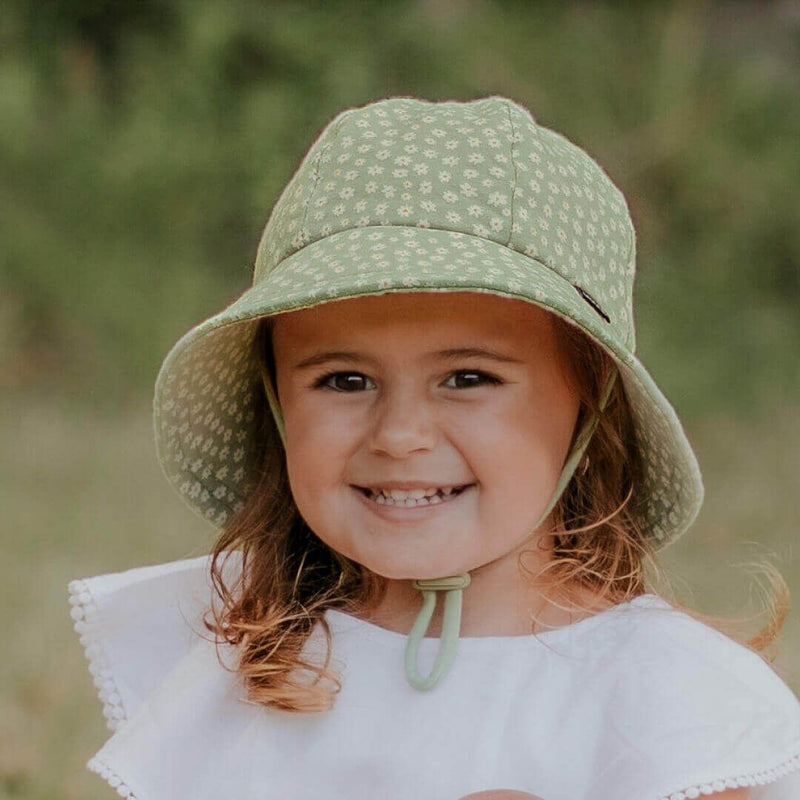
(600, 553)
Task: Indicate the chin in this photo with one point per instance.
(419, 571)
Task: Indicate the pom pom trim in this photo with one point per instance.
(84, 610)
(739, 781)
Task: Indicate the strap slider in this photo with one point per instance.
(442, 584)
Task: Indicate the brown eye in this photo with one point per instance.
(466, 379)
(346, 382)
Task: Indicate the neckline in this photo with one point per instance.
(343, 622)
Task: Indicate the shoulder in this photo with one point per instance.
(689, 707)
(663, 652)
(135, 626)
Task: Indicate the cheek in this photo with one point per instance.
(310, 458)
(524, 445)
(310, 476)
(317, 451)
(555, 425)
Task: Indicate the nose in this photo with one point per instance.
(403, 423)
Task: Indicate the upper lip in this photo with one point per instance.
(410, 486)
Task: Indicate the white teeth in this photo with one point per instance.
(412, 497)
(413, 494)
(401, 494)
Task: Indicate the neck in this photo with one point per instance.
(503, 599)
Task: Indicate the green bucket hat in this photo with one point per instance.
(407, 195)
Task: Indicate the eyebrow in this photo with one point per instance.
(451, 354)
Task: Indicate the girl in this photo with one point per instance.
(439, 472)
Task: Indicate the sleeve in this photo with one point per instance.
(135, 626)
(694, 714)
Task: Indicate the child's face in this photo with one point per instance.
(401, 391)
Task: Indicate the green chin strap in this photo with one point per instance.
(454, 585)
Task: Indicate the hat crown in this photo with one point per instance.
(484, 168)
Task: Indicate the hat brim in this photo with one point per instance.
(207, 390)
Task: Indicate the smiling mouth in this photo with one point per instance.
(414, 497)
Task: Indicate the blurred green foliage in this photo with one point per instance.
(143, 143)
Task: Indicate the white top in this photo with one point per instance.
(639, 702)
